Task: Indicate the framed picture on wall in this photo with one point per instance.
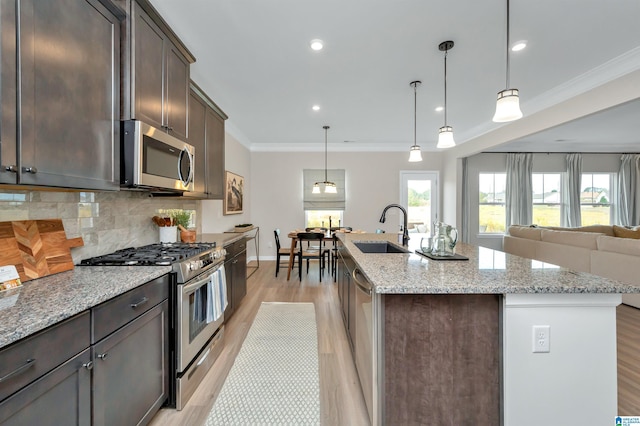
(233, 193)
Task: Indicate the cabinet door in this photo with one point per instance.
(177, 99)
(148, 68)
(69, 94)
(228, 272)
(8, 158)
(239, 289)
(130, 374)
(197, 111)
(215, 155)
(61, 397)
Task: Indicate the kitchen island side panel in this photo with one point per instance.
(442, 359)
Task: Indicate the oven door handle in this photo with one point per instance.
(194, 286)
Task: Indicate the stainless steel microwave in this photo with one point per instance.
(154, 160)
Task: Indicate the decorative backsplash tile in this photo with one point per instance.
(106, 221)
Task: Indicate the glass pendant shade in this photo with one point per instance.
(445, 137)
(507, 106)
(316, 189)
(330, 188)
(415, 154)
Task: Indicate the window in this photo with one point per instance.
(595, 199)
(547, 198)
(491, 215)
(321, 218)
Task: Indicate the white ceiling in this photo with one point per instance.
(254, 61)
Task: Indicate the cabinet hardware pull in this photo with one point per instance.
(31, 170)
(169, 128)
(103, 356)
(18, 370)
(88, 365)
(140, 303)
(12, 168)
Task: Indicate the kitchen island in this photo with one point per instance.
(451, 342)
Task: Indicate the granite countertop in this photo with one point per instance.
(223, 239)
(487, 271)
(45, 301)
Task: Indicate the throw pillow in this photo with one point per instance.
(622, 232)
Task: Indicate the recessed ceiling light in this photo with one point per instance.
(316, 44)
(316, 107)
(439, 108)
(519, 45)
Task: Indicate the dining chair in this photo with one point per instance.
(311, 252)
(283, 251)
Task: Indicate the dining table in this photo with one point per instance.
(327, 236)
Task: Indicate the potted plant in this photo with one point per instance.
(182, 219)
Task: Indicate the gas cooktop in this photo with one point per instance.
(152, 254)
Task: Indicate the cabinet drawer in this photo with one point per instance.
(28, 359)
(113, 314)
(234, 249)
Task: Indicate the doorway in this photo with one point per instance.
(419, 192)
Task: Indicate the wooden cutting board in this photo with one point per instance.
(36, 248)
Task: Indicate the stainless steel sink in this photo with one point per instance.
(379, 247)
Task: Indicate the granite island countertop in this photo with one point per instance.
(486, 272)
(222, 239)
(43, 302)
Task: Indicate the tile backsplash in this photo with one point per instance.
(106, 221)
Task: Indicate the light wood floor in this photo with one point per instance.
(341, 400)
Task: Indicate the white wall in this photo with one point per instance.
(372, 182)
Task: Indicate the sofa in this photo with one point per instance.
(609, 251)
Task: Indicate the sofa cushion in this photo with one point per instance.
(629, 246)
(622, 232)
(601, 229)
(525, 232)
(572, 238)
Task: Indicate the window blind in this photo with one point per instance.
(323, 201)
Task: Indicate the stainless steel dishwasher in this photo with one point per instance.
(364, 337)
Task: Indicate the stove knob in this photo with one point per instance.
(193, 266)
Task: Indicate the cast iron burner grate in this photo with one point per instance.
(152, 254)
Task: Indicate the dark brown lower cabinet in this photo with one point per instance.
(130, 374)
(60, 397)
(235, 266)
(442, 359)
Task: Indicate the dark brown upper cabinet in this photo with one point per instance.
(155, 87)
(206, 134)
(60, 79)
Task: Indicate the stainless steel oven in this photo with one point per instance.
(153, 159)
(200, 313)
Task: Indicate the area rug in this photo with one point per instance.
(274, 379)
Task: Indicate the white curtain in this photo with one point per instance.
(629, 206)
(464, 231)
(519, 193)
(571, 216)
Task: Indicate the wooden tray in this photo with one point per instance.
(36, 248)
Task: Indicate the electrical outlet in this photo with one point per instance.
(270, 244)
(541, 338)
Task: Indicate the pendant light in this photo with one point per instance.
(445, 134)
(329, 187)
(508, 103)
(414, 154)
